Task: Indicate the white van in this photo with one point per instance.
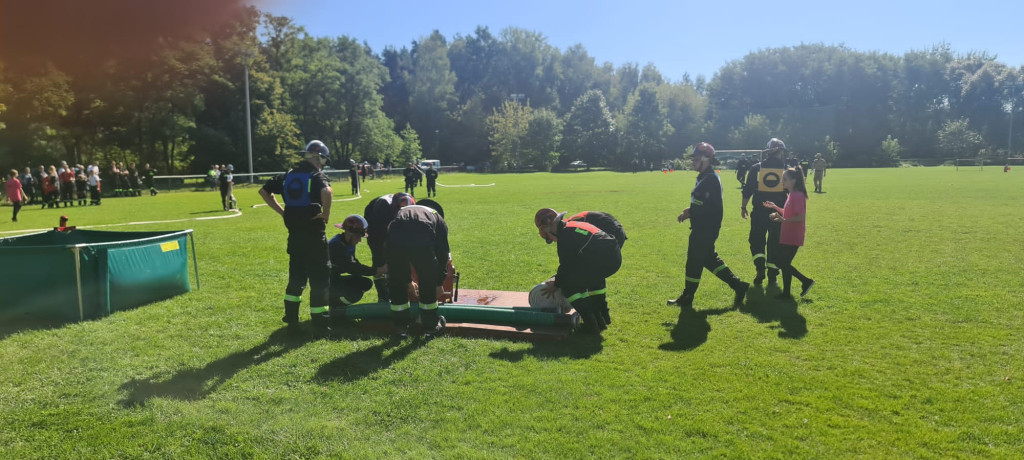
(426, 164)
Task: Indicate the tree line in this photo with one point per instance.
(510, 100)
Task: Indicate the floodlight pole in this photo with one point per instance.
(248, 116)
(1009, 140)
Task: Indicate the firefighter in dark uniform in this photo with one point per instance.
(705, 216)
(350, 279)
(764, 183)
(379, 214)
(431, 174)
(586, 257)
(353, 176)
(417, 237)
(604, 221)
(741, 168)
(412, 177)
(307, 208)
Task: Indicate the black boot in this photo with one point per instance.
(402, 319)
(383, 292)
(291, 313)
(321, 325)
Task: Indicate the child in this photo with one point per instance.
(792, 217)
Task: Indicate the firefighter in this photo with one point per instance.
(412, 177)
(705, 216)
(431, 174)
(586, 257)
(417, 237)
(307, 197)
(353, 176)
(350, 279)
(379, 214)
(741, 168)
(764, 183)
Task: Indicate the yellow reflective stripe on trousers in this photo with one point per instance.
(693, 280)
(771, 265)
(401, 307)
(759, 256)
(292, 298)
(318, 310)
(720, 268)
(428, 306)
(585, 294)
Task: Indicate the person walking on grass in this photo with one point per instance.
(705, 216)
(307, 197)
(15, 193)
(819, 166)
(764, 182)
(793, 220)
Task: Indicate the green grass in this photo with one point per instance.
(909, 346)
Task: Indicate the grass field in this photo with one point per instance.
(909, 346)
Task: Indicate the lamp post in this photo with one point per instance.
(1009, 140)
(516, 97)
(437, 134)
(248, 116)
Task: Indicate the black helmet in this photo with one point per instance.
(320, 149)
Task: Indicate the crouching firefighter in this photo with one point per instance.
(417, 238)
(349, 278)
(586, 257)
(307, 208)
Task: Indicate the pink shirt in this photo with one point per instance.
(13, 190)
(793, 232)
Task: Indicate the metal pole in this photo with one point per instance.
(248, 116)
(517, 97)
(1009, 141)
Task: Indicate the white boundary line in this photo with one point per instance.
(467, 185)
(234, 213)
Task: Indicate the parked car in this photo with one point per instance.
(577, 164)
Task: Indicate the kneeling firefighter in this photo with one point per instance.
(586, 257)
(350, 279)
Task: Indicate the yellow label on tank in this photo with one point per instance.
(769, 180)
(169, 246)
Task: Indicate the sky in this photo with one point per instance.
(679, 37)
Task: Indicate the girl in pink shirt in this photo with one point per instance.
(792, 217)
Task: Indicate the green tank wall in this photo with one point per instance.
(515, 316)
(115, 271)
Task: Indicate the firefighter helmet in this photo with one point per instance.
(401, 200)
(704, 149)
(317, 147)
(355, 224)
(776, 143)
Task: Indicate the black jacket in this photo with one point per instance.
(706, 202)
(343, 258)
(764, 183)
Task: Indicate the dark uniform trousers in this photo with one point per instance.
(700, 255)
(308, 261)
(761, 225)
(428, 272)
(585, 289)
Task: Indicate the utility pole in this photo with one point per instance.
(516, 97)
(248, 116)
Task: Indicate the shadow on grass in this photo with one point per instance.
(691, 329)
(765, 308)
(576, 346)
(363, 363)
(10, 325)
(197, 383)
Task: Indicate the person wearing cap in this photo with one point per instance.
(587, 256)
(764, 183)
(350, 279)
(705, 216)
(819, 167)
(379, 213)
(412, 177)
(417, 238)
(307, 197)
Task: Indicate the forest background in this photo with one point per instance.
(508, 99)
